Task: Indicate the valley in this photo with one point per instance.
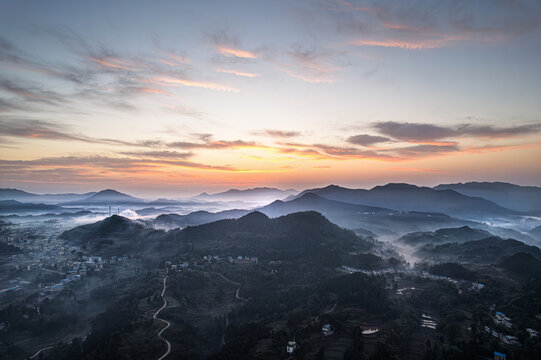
(322, 277)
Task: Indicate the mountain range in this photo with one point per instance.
(261, 194)
(519, 198)
(16, 206)
(307, 233)
(23, 196)
(408, 197)
(464, 200)
(363, 219)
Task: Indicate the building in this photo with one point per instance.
(499, 356)
(509, 340)
(245, 260)
(291, 347)
(477, 286)
(501, 319)
(326, 330)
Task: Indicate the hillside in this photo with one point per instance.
(448, 235)
(306, 234)
(16, 206)
(407, 197)
(489, 250)
(196, 218)
(115, 235)
(523, 265)
(378, 220)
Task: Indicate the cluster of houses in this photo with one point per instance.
(178, 266)
(428, 322)
(477, 286)
(291, 347)
(501, 319)
(423, 274)
(60, 285)
(504, 338)
(240, 259)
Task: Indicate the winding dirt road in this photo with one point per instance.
(167, 323)
(39, 352)
(235, 283)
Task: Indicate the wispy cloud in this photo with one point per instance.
(277, 133)
(416, 132)
(419, 44)
(419, 25)
(192, 83)
(234, 52)
(310, 64)
(45, 130)
(89, 165)
(238, 73)
(159, 154)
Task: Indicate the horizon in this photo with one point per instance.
(180, 195)
(187, 97)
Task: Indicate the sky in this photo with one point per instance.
(177, 97)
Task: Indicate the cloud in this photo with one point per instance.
(413, 131)
(488, 131)
(110, 62)
(238, 73)
(310, 64)
(420, 132)
(365, 139)
(159, 154)
(277, 133)
(99, 164)
(419, 44)
(418, 25)
(192, 83)
(45, 130)
(424, 150)
(235, 52)
(212, 144)
(186, 111)
(37, 129)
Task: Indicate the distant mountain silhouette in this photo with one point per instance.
(408, 197)
(364, 219)
(378, 220)
(536, 232)
(23, 196)
(107, 197)
(260, 194)
(16, 206)
(449, 235)
(197, 218)
(520, 198)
